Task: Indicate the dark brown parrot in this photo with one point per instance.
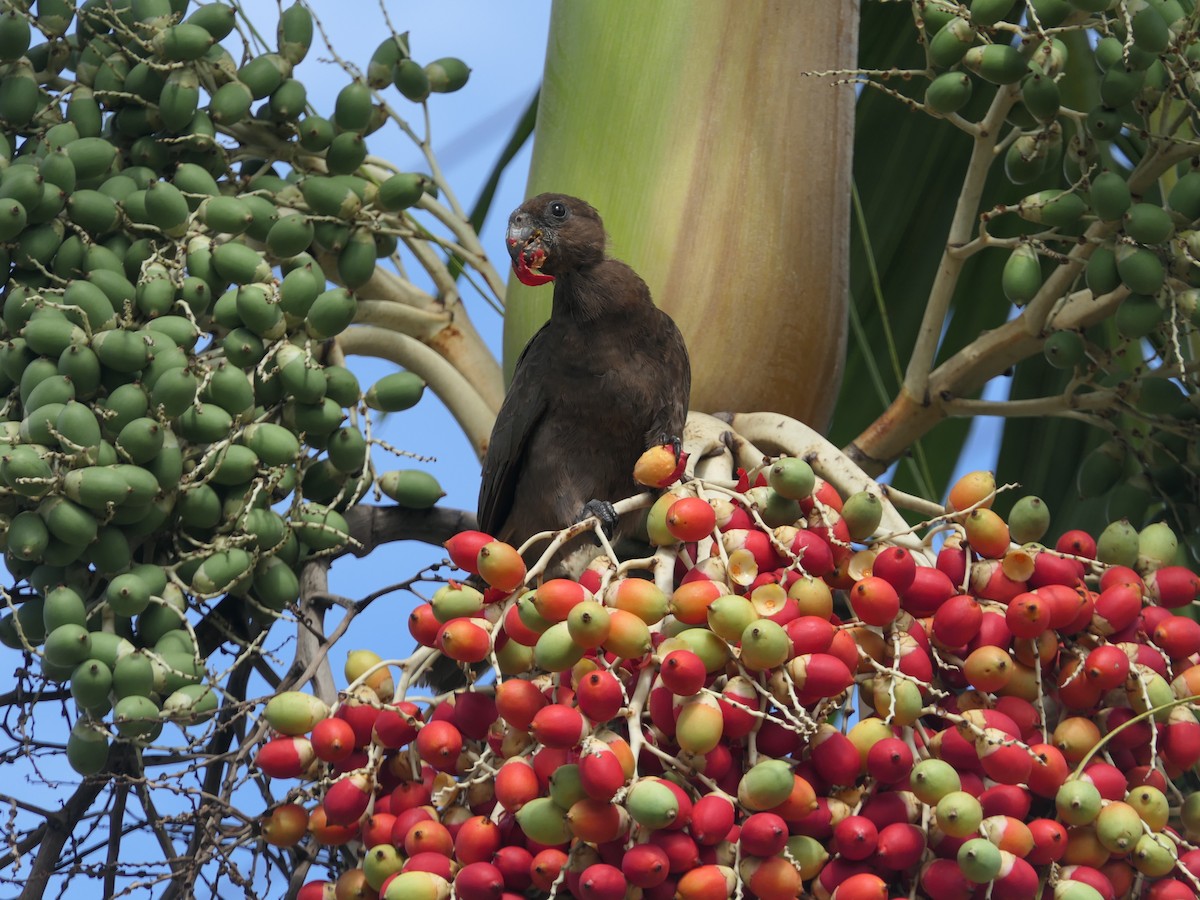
(604, 379)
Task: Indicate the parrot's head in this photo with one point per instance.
(551, 234)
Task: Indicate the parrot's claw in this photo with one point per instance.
(604, 511)
(673, 441)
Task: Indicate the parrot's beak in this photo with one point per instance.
(528, 253)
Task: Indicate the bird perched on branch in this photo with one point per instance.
(604, 379)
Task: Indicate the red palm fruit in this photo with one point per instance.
(474, 713)
(333, 739)
(438, 864)
(514, 863)
(407, 819)
(712, 818)
(957, 620)
(874, 601)
(944, 880)
(597, 821)
(861, 886)
(813, 552)
(1180, 742)
(500, 565)
(1107, 666)
(690, 601)
(423, 625)
(809, 634)
(377, 828)
(285, 757)
(518, 701)
(1005, 800)
(1075, 690)
(347, 798)
(680, 848)
(991, 580)
(439, 744)
(477, 840)
(1170, 889)
(706, 883)
(1023, 714)
(777, 740)
(1018, 880)
(801, 802)
(756, 543)
(770, 879)
(1173, 586)
(601, 881)
(1117, 607)
(1064, 601)
(855, 837)
(599, 695)
(645, 865)
(1075, 736)
(316, 890)
(395, 728)
(763, 834)
(600, 771)
(952, 561)
(988, 668)
(284, 825)
(1121, 575)
(1076, 543)
(428, 836)
(987, 533)
(1179, 636)
(691, 519)
(1092, 877)
(896, 566)
(463, 640)
(555, 598)
(409, 795)
(559, 727)
(1027, 615)
(834, 756)
(1050, 568)
(464, 549)
(683, 672)
(846, 643)
(1049, 841)
(1003, 761)
(1008, 833)
(327, 832)
(516, 783)
(930, 588)
(738, 701)
(517, 630)
(547, 866)
(816, 676)
(889, 761)
(479, 881)
(1049, 770)
(973, 488)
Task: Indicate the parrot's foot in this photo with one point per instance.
(602, 510)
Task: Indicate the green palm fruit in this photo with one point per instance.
(295, 33)
(356, 262)
(288, 100)
(411, 80)
(341, 385)
(331, 313)
(179, 99)
(183, 42)
(230, 103)
(386, 56)
(1148, 223)
(289, 236)
(1064, 349)
(1021, 278)
(1140, 269)
(411, 488)
(396, 392)
(315, 133)
(215, 18)
(205, 423)
(447, 74)
(1137, 316)
(347, 450)
(1109, 196)
(997, 63)
(951, 42)
(263, 74)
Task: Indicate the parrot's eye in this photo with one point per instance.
(558, 209)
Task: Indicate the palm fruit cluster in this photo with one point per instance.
(801, 701)
(177, 424)
(1096, 133)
